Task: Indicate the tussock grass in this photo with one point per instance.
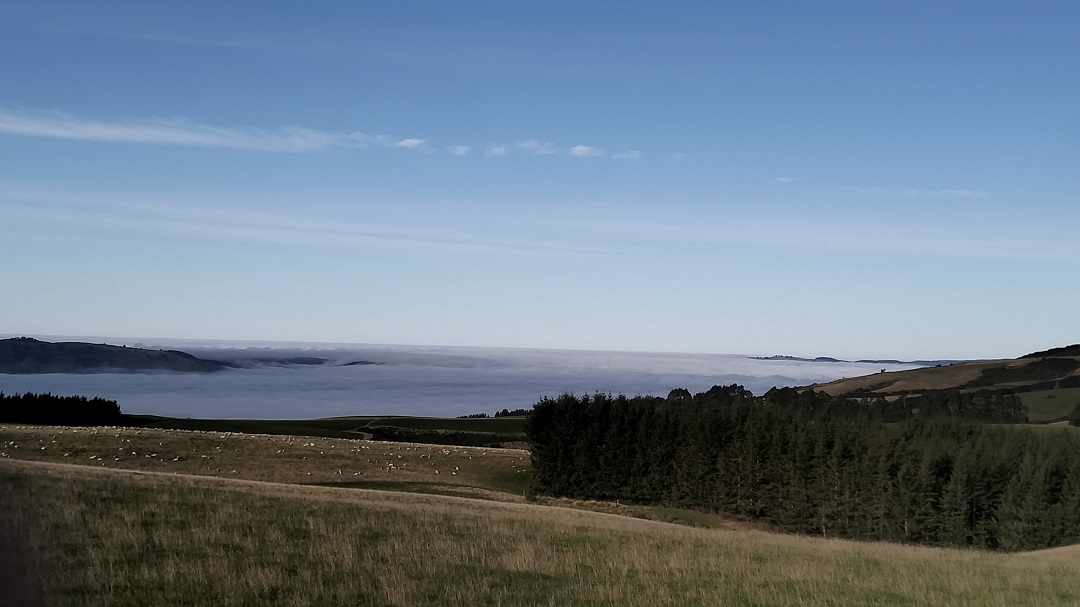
(162, 530)
(128, 538)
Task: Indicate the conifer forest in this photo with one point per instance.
(955, 470)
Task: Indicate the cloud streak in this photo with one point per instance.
(625, 235)
(185, 132)
(180, 131)
(218, 222)
(916, 193)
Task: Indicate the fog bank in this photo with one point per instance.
(414, 380)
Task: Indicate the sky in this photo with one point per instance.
(850, 179)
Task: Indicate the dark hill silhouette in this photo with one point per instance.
(23, 355)
(1073, 350)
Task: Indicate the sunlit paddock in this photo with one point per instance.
(471, 471)
(126, 537)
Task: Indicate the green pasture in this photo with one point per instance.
(1050, 405)
(336, 427)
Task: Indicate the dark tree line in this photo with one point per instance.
(49, 409)
(985, 405)
(809, 463)
(502, 413)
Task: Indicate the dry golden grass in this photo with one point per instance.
(492, 473)
(163, 533)
(128, 538)
(929, 378)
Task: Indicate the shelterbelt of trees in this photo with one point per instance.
(49, 409)
(808, 463)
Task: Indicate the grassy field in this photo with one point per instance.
(1014, 374)
(1050, 405)
(925, 378)
(501, 425)
(336, 427)
(500, 473)
(134, 530)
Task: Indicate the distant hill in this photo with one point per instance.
(1073, 350)
(22, 355)
(1052, 369)
(829, 359)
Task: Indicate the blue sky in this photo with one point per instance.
(841, 178)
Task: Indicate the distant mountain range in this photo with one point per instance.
(26, 355)
(827, 359)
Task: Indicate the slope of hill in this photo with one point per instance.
(97, 526)
(1053, 369)
(1073, 350)
(27, 355)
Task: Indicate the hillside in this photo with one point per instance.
(26, 355)
(138, 517)
(1073, 350)
(1054, 369)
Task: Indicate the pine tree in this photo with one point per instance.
(956, 527)
(1015, 519)
(1066, 513)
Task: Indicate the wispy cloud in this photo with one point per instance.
(412, 144)
(497, 150)
(679, 156)
(586, 151)
(917, 193)
(535, 147)
(207, 219)
(785, 179)
(970, 240)
(180, 131)
(216, 220)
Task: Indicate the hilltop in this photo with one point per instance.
(21, 355)
(1052, 369)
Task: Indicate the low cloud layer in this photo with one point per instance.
(418, 380)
